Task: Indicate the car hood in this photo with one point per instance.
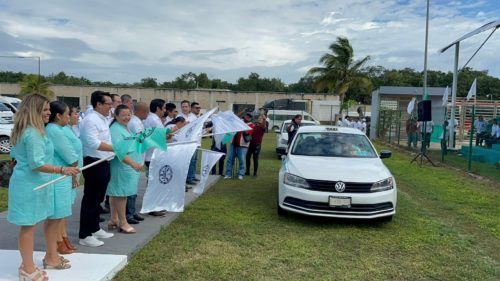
(337, 168)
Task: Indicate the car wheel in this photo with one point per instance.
(281, 211)
(4, 145)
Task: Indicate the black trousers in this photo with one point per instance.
(223, 149)
(94, 191)
(253, 152)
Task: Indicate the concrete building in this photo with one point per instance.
(208, 98)
(397, 98)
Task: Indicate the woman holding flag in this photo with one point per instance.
(67, 152)
(34, 153)
(125, 171)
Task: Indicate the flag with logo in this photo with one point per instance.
(167, 179)
(472, 90)
(446, 95)
(208, 160)
(411, 105)
(142, 141)
(193, 130)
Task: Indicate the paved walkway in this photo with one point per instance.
(121, 244)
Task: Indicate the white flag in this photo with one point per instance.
(167, 179)
(472, 91)
(226, 122)
(445, 96)
(192, 131)
(411, 105)
(208, 160)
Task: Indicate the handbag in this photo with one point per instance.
(6, 170)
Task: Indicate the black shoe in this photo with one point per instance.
(196, 180)
(191, 182)
(132, 221)
(138, 217)
(247, 173)
(101, 219)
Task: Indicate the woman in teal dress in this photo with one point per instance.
(67, 152)
(34, 154)
(125, 172)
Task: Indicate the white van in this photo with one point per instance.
(5, 113)
(276, 117)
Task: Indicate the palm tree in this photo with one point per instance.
(339, 69)
(31, 84)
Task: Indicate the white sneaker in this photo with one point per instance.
(91, 241)
(227, 177)
(240, 177)
(102, 234)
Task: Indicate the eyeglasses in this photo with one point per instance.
(197, 107)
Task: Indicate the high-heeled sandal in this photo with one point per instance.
(63, 249)
(68, 244)
(60, 266)
(37, 275)
(112, 225)
(63, 259)
(130, 230)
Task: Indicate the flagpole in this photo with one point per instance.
(81, 169)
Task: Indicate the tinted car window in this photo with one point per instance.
(333, 145)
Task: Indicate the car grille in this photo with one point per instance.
(329, 186)
(322, 207)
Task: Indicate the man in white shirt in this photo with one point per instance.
(190, 113)
(170, 113)
(135, 126)
(480, 127)
(186, 111)
(429, 128)
(96, 145)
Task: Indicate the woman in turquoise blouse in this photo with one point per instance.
(125, 172)
(67, 152)
(34, 154)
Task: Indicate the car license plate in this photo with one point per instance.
(340, 201)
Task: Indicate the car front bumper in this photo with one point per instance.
(316, 203)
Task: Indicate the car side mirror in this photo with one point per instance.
(385, 154)
(277, 131)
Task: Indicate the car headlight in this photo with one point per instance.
(296, 181)
(382, 185)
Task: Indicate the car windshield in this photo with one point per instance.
(330, 144)
(3, 107)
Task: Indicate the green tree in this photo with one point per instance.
(32, 84)
(148, 82)
(339, 69)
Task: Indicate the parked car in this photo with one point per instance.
(276, 117)
(5, 133)
(336, 172)
(11, 103)
(5, 113)
(282, 136)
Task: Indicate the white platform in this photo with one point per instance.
(83, 266)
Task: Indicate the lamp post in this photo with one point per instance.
(28, 57)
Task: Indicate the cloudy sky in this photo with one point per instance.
(124, 41)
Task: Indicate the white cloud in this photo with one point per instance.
(158, 37)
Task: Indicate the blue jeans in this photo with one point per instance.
(130, 209)
(240, 153)
(192, 167)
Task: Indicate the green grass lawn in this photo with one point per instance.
(446, 228)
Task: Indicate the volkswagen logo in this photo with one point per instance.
(340, 186)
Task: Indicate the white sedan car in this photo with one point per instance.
(336, 172)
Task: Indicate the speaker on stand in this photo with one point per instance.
(424, 114)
